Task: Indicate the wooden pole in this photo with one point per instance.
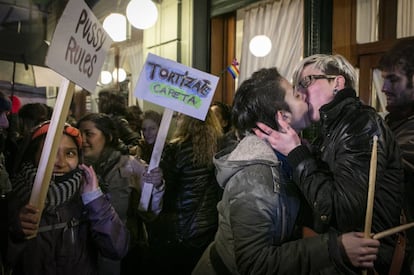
(50, 147)
(371, 191)
(393, 230)
(156, 157)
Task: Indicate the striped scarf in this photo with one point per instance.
(61, 189)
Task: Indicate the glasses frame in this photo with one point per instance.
(310, 79)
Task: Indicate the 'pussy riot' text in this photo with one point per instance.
(181, 80)
(94, 35)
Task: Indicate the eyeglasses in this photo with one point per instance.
(310, 79)
(42, 129)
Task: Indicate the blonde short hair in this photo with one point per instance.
(330, 65)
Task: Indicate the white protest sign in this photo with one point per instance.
(77, 51)
(79, 46)
(175, 86)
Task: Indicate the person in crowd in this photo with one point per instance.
(77, 221)
(134, 116)
(32, 114)
(121, 177)
(397, 67)
(334, 177)
(28, 116)
(5, 185)
(223, 113)
(5, 107)
(114, 105)
(71, 119)
(150, 125)
(13, 131)
(188, 220)
(261, 212)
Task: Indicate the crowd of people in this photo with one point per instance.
(238, 193)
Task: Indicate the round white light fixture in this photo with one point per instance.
(106, 77)
(115, 25)
(142, 14)
(260, 45)
(119, 73)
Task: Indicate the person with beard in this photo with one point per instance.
(397, 69)
(77, 223)
(121, 177)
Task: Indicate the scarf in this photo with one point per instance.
(104, 165)
(61, 188)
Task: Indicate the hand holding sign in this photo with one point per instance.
(77, 51)
(178, 88)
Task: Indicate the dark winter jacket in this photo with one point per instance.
(335, 178)
(403, 129)
(189, 214)
(71, 248)
(257, 219)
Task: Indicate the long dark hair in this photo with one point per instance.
(105, 124)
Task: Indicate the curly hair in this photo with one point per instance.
(401, 57)
(204, 136)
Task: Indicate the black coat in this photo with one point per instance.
(334, 179)
(189, 214)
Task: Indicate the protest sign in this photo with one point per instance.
(177, 88)
(79, 46)
(77, 51)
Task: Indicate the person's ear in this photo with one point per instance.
(339, 82)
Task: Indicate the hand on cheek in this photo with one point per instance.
(90, 183)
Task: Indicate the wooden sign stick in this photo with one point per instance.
(371, 191)
(156, 157)
(50, 147)
(392, 231)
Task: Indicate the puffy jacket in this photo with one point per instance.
(189, 213)
(257, 219)
(335, 178)
(72, 248)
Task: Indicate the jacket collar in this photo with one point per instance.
(330, 111)
(402, 115)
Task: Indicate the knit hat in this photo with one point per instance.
(5, 104)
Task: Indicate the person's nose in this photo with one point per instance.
(4, 122)
(301, 94)
(385, 86)
(60, 160)
(83, 138)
